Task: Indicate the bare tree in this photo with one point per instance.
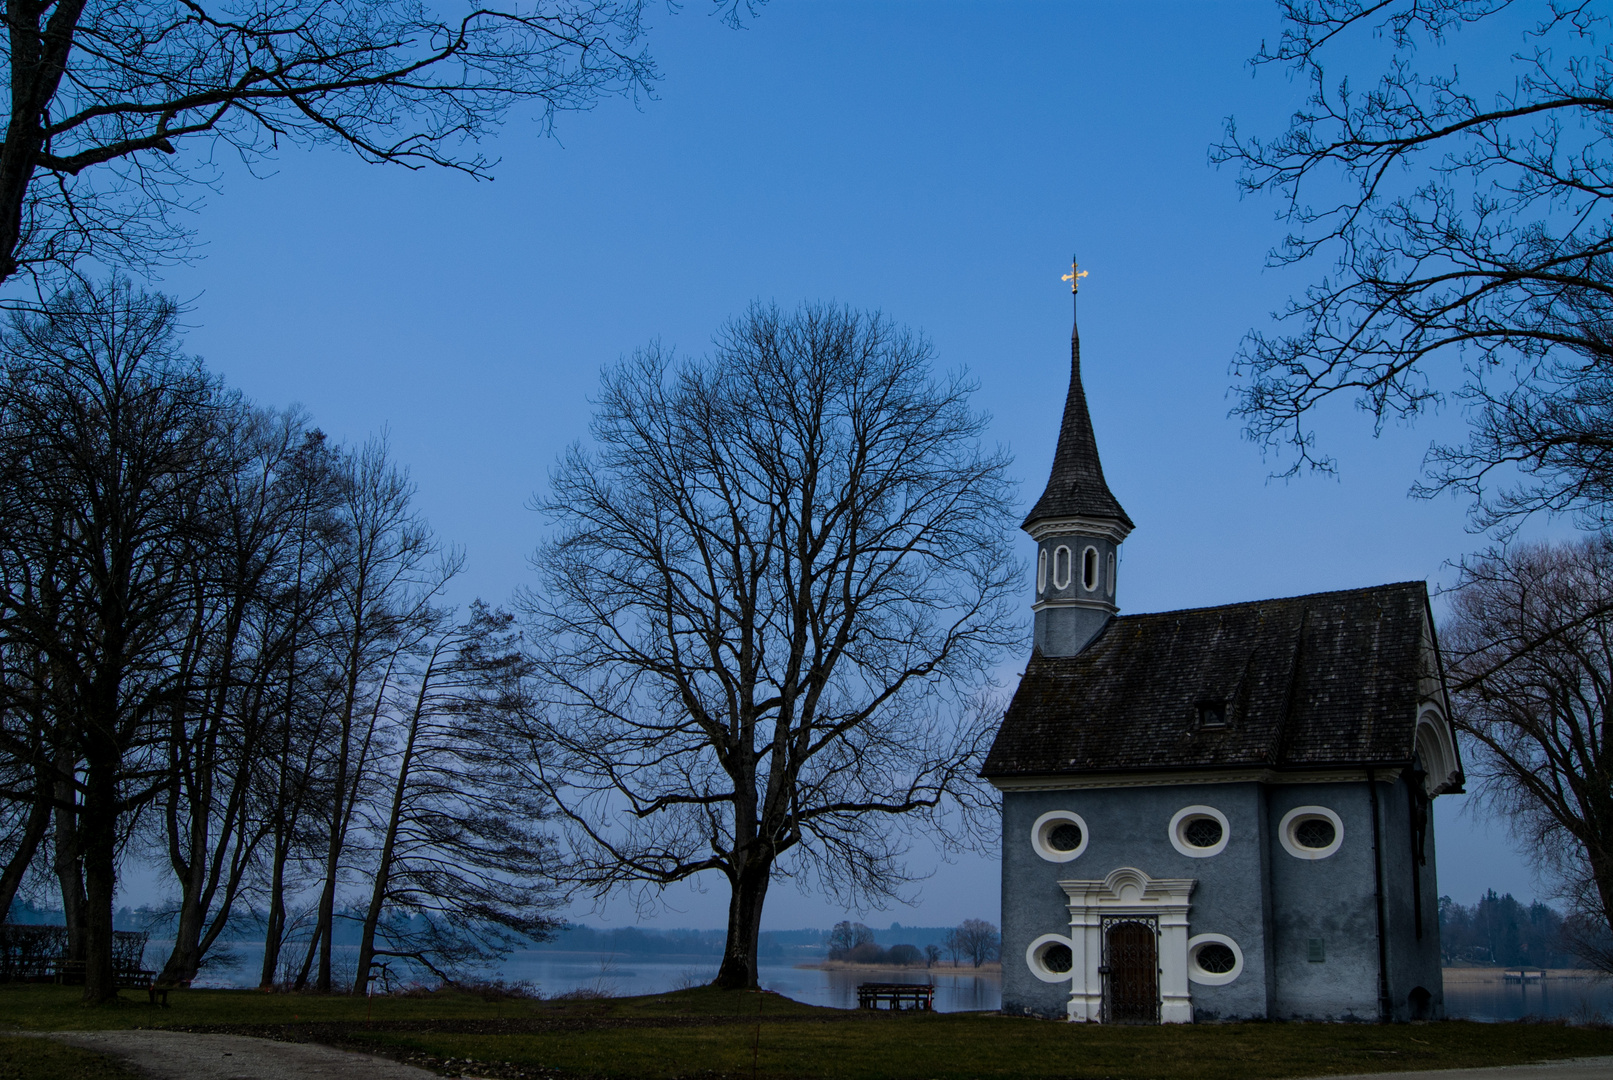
(30, 744)
(974, 940)
(1530, 647)
(108, 438)
(117, 108)
(307, 606)
(464, 872)
(846, 936)
(1469, 230)
(388, 574)
(774, 587)
(225, 722)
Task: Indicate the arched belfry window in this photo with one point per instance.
(1041, 572)
(1089, 569)
(1061, 567)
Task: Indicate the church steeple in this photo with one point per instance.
(1075, 487)
(1078, 525)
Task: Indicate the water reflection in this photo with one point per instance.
(1485, 996)
(1469, 993)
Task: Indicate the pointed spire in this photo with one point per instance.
(1076, 487)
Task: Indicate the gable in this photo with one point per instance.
(1326, 680)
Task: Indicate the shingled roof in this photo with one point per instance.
(1326, 680)
(1076, 487)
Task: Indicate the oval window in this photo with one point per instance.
(1311, 832)
(1314, 833)
(1111, 573)
(1041, 571)
(1050, 958)
(1199, 831)
(1065, 836)
(1089, 569)
(1213, 959)
(1059, 836)
(1202, 832)
(1061, 567)
(1056, 957)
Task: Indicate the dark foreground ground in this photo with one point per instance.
(707, 1034)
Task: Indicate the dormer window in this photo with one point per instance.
(1089, 569)
(1061, 567)
(1212, 713)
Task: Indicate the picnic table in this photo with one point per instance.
(897, 997)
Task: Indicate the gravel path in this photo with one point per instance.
(183, 1055)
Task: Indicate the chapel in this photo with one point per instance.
(1216, 813)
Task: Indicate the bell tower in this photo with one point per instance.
(1078, 526)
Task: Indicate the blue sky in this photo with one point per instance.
(938, 161)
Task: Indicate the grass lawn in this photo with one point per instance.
(711, 1034)
(41, 1059)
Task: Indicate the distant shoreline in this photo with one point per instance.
(991, 967)
(1495, 974)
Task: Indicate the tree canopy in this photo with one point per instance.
(119, 108)
(777, 584)
(1459, 212)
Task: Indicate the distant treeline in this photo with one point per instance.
(573, 937)
(1500, 930)
(771, 944)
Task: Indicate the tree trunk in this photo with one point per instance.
(738, 970)
(287, 811)
(185, 958)
(98, 837)
(274, 931)
(33, 833)
(69, 867)
(38, 59)
(383, 870)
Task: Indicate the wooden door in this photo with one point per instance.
(1131, 989)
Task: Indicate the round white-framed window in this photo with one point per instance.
(1041, 571)
(1061, 567)
(1059, 835)
(1213, 959)
(1089, 569)
(1111, 573)
(1051, 958)
(1310, 832)
(1199, 831)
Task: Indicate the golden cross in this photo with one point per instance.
(1074, 276)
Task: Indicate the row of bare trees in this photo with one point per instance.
(761, 647)
(223, 648)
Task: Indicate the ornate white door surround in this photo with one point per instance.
(1128, 891)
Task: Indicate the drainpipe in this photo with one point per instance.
(1377, 883)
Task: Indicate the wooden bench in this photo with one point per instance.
(71, 973)
(897, 997)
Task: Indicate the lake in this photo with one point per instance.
(1474, 994)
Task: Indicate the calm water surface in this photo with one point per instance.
(1579, 1000)
(962, 990)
